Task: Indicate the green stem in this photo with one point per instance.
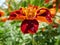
(33, 41)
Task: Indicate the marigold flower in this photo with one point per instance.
(30, 16)
(1, 13)
(4, 19)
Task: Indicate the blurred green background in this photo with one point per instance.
(10, 33)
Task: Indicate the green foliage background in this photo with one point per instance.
(10, 33)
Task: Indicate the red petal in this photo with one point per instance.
(46, 14)
(29, 26)
(12, 16)
(16, 14)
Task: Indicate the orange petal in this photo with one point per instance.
(20, 17)
(4, 19)
(53, 11)
(42, 19)
(42, 11)
(39, 12)
(1, 13)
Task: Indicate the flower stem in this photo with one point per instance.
(33, 41)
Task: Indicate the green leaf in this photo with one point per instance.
(41, 3)
(23, 3)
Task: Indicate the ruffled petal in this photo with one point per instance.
(45, 16)
(17, 15)
(29, 26)
(42, 19)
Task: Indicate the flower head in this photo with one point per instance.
(30, 16)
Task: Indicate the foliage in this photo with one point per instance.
(10, 33)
